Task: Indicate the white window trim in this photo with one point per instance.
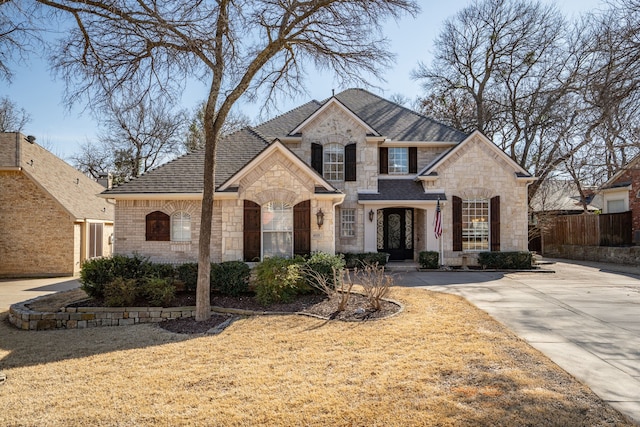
(327, 172)
(265, 208)
(405, 167)
(348, 217)
(180, 219)
(480, 232)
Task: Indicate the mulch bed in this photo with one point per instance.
(357, 309)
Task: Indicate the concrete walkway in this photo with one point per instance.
(18, 290)
(584, 316)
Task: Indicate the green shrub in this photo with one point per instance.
(188, 274)
(230, 277)
(322, 266)
(358, 260)
(162, 271)
(429, 259)
(506, 260)
(277, 280)
(158, 291)
(96, 273)
(120, 292)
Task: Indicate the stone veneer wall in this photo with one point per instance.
(616, 255)
(491, 176)
(22, 317)
(36, 234)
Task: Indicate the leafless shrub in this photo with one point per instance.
(375, 282)
(338, 286)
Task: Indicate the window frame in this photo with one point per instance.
(395, 154)
(476, 225)
(283, 226)
(180, 227)
(348, 223)
(96, 231)
(332, 169)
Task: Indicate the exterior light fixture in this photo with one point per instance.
(320, 218)
(371, 215)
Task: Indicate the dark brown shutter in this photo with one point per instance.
(158, 227)
(350, 162)
(456, 215)
(383, 158)
(494, 207)
(316, 157)
(302, 228)
(413, 159)
(251, 231)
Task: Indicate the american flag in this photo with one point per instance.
(437, 222)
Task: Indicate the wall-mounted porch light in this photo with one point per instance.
(320, 218)
(371, 215)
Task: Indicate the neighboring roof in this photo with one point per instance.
(74, 191)
(563, 195)
(400, 189)
(613, 181)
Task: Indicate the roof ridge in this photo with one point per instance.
(413, 112)
(299, 107)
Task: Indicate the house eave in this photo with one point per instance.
(424, 144)
(153, 196)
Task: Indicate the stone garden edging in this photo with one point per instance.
(23, 317)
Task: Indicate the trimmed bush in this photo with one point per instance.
(324, 266)
(506, 260)
(158, 291)
(230, 277)
(429, 259)
(358, 260)
(162, 271)
(277, 280)
(96, 273)
(188, 274)
(120, 292)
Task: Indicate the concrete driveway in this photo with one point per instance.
(584, 316)
(18, 290)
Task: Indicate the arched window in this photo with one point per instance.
(333, 162)
(157, 224)
(181, 227)
(277, 229)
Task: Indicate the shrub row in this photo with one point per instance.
(429, 259)
(359, 260)
(121, 279)
(506, 260)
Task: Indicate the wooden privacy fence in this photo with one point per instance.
(590, 230)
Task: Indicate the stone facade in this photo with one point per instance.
(492, 176)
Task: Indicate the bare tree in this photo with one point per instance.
(505, 67)
(12, 117)
(256, 49)
(133, 139)
(195, 138)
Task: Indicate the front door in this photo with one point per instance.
(397, 233)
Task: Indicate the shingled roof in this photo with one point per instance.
(400, 189)
(185, 174)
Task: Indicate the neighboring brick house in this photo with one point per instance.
(621, 193)
(51, 218)
(371, 170)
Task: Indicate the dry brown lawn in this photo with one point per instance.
(441, 362)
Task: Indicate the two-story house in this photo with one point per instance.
(354, 173)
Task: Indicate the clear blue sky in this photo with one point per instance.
(34, 89)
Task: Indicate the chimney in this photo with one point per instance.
(106, 180)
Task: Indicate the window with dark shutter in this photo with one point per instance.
(494, 206)
(383, 160)
(456, 215)
(350, 162)
(302, 228)
(158, 226)
(316, 157)
(413, 159)
(251, 231)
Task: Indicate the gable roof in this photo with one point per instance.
(184, 175)
(321, 185)
(519, 171)
(613, 181)
(334, 101)
(74, 191)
